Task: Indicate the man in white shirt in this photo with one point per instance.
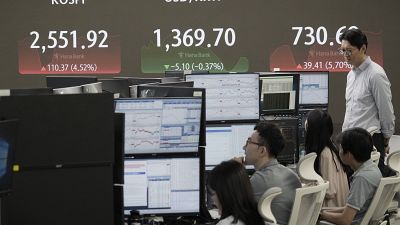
(368, 94)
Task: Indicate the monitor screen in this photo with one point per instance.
(161, 125)
(314, 89)
(230, 97)
(225, 141)
(150, 91)
(8, 136)
(69, 81)
(165, 185)
(279, 93)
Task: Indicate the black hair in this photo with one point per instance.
(319, 135)
(358, 142)
(231, 184)
(355, 37)
(271, 137)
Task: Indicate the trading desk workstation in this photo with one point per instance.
(128, 149)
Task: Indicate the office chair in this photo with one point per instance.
(383, 196)
(309, 198)
(264, 205)
(393, 162)
(305, 169)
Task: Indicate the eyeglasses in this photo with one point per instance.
(346, 52)
(249, 141)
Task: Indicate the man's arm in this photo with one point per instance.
(341, 218)
(386, 145)
(383, 99)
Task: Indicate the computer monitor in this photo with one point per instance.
(314, 89)
(225, 141)
(175, 73)
(92, 88)
(147, 80)
(177, 84)
(230, 97)
(279, 93)
(26, 91)
(69, 81)
(288, 127)
(31, 91)
(161, 125)
(163, 184)
(8, 138)
(116, 86)
(151, 91)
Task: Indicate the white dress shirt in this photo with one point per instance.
(369, 99)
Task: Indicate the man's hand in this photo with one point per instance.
(386, 145)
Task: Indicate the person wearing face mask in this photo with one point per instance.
(318, 139)
(368, 94)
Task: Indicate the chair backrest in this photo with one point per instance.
(264, 204)
(384, 194)
(375, 155)
(305, 169)
(393, 161)
(307, 204)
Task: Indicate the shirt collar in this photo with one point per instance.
(363, 66)
(366, 164)
(272, 162)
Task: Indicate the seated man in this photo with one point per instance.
(261, 150)
(355, 151)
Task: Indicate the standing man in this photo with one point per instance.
(368, 95)
(261, 150)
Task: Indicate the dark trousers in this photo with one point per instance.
(378, 143)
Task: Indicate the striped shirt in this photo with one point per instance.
(369, 99)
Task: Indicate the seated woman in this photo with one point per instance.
(319, 129)
(231, 192)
